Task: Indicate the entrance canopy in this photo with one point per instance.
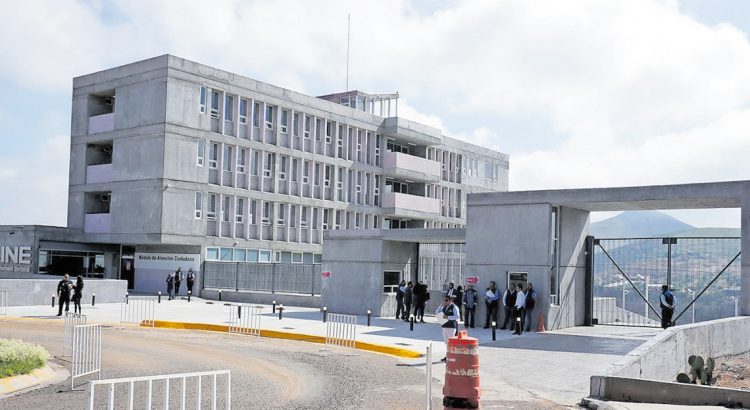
(656, 197)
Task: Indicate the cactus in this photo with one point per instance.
(699, 373)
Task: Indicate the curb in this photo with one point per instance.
(13, 384)
(275, 334)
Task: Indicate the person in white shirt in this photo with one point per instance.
(518, 310)
(449, 313)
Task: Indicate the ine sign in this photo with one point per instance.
(15, 258)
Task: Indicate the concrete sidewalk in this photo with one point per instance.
(553, 365)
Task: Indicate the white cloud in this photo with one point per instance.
(640, 92)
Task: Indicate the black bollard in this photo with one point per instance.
(93, 298)
(369, 316)
(411, 323)
(274, 307)
(159, 297)
(325, 314)
(189, 292)
(239, 312)
(281, 308)
(126, 298)
(219, 295)
(494, 327)
(53, 300)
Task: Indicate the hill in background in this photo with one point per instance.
(639, 224)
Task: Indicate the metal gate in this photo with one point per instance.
(703, 273)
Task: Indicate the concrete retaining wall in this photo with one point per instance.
(31, 292)
(651, 391)
(666, 354)
(286, 299)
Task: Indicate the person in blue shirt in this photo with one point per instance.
(491, 296)
(667, 302)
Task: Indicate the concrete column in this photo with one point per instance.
(745, 273)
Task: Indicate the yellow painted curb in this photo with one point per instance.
(15, 383)
(275, 334)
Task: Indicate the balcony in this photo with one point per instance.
(102, 123)
(99, 174)
(410, 206)
(409, 131)
(410, 167)
(97, 223)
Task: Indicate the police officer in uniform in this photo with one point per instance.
(448, 312)
(63, 293)
(666, 302)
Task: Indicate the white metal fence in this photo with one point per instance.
(3, 303)
(138, 310)
(245, 319)
(428, 376)
(71, 320)
(341, 330)
(141, 390)
(87, 352)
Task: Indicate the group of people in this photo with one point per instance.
(174, 280)
(518, 306)
(407, 295)
(64, 289)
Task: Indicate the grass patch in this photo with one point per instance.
(17, 357)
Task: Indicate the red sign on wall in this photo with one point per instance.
(472, 279)
(326, 274)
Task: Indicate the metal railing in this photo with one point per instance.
(3, 303)
(263, 277)
(87, 352)
(138, 309)
(71, 320)
(428, 376)
(245, 319)
(186, 391)
(341, 330)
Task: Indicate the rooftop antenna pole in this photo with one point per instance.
(348, 37)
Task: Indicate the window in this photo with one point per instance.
(376, 191)
(327, 178)
(281, 217)
(241, 154)
(201, 152)
(214, 104)
(213, 155)
(554, 255)
(227, 158)
(256, 114)
(359, 145)
(225, 205)
(264, 256)
(269, 117)
(305, 172)
(267, 212)
(307, 127)
(239, 211)
(255, 162)
(284, 119)
(243, 111)
(317, 174)
(282, 168)
(315, 212)
(377, 149)
(295, 124)
(226, 254)
(198, 205)
(212, 254)
(239, 255)
(329, 131)
(326, 218)
(391, 280)
(211, 211)
(251, 212)
(268, 165)
(228, 106)
(340, 142)
(296, 257)
(337, 223)
(292, 216)
(318, 129)
(295, 169)
(203, 100)
(303, 218)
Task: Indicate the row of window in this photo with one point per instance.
(261, 256)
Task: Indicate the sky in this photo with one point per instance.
(579, 93)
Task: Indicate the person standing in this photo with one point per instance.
(420, 295)
(447, 312)
(667, 303)
(63, 294)
(400, 299)
(78, 294)
(509, 300)
(170, 285)
(177, 280)
(530, 303)
(518, 311)
(458, 297)
(470, 305)
(190, 280)
(408, 295)
(491, 296)
(450, 291)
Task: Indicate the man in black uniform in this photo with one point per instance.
(666, 302)
(177, 280)
(63, 293)
(408, 291)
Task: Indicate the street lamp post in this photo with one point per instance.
(736, 305)
(692, 296)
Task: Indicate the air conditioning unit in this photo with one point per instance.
(107, 149)
(109, 100)
(105, 197)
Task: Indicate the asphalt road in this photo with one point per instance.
(266, 373)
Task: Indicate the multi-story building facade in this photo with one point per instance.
(168, 155)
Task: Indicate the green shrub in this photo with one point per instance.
(17, 357)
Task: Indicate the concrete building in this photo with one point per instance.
(174, 163)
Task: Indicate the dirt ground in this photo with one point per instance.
(734, 372)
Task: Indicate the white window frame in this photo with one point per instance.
(226, 206)
(201, 152)
(306, 124)
(213, 163)
(305, 172)
(266, 216)
(283, 161)
(256, 114)
(239, 210)
(281, 215)
(215, 111)
(294, 254)
(243, 113)
(198, 205)
(303, 217)
(241, 154)
(211, 214)
(268, 164)
(284, 121)
(269, 124)
(228, 107)
(202, 98)
(329, 131)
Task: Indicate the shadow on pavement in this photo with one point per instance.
(568, 343)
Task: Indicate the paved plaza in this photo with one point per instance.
(550, 367)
